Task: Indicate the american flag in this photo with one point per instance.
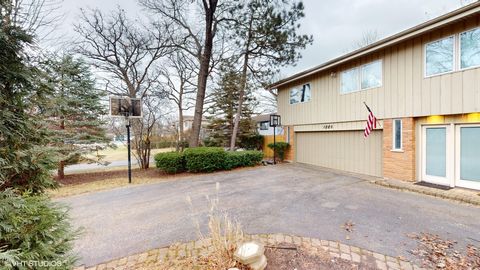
(371, 122)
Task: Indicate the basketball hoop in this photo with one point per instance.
(129, 108)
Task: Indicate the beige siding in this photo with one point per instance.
(342, 150)
(404, 93)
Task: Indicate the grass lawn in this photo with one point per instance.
(120, 153)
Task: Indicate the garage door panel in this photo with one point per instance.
(342, 150)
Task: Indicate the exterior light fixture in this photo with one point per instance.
(275, 121)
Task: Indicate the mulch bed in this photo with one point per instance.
(80, 178)
(287, 257)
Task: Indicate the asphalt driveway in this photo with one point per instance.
(290, 198)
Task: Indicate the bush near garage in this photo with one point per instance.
(280, 149)
(206, 159)
(170, 162)
(242, 159)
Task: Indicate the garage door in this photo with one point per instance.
(342, 150)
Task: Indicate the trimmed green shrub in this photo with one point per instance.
(170, 162)
(34, 230)
(251, 142)
(280, 149)
(205, 159)
(242, 159)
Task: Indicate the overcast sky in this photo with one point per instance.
(335, 24)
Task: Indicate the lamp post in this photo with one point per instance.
(275, 120)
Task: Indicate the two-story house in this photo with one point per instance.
(423, 85)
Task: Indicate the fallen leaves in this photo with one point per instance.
(348, 227)
(438, 253)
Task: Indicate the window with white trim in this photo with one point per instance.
(470, 48)
(300, 94)
(440, 56)
(264, 125)
(361, 78)
(397, 134)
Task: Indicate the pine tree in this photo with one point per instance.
(225, 106)
(74, 109)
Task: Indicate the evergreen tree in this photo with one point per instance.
(32, 228)
(74, 109)
(224, 107)
(25, 162)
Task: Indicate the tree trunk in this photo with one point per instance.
(203, 72)
(180, 128)
(61, 170)
(243, 86)
(61, 164)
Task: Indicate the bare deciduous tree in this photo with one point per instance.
(127, 55)
(178, 76)
(195, 38)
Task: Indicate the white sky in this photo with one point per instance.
(334, 24)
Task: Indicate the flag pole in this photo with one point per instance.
(376, 120)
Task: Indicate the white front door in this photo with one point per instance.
(467, 156)
(437, 160)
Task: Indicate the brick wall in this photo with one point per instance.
(399, 164)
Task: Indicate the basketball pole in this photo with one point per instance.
(129, 152)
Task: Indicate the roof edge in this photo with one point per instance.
(385, 42)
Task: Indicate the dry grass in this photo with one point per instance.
(224, 234)
(77, 189)
(120, 153)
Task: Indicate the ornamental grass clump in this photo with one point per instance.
(224, 233)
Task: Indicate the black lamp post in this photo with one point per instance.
(275, 121)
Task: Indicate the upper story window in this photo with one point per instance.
(300, 94)
(439, 56)
(264, 125)
(362, 78)
(470, 48)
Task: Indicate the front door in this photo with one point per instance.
(467, 165)
(436, 156)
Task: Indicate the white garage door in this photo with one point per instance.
(342, 150)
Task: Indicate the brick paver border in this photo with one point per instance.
(335, 249)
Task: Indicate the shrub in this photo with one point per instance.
(242, 159)
(205, 159)
(280, 149)
(32, 228)
(170, 162)
(251, 142)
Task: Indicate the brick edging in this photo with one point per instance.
(444, 194)
(334, 248)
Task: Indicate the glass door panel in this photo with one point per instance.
(436, 151)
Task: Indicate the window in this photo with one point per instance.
(372, 75)
(397, 134)
(300, 94)
(439, 56)
(361, 78)
(350, 81)
(470, 48)
(264, 125)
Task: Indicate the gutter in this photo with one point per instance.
(415, 31)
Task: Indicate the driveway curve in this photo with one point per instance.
(290, 198)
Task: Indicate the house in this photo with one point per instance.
(262, 123)
(423, 85)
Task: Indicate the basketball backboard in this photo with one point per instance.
(125, 106)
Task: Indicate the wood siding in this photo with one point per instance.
(404, 93)
(342, 150)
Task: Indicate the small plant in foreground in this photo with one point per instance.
(223, 233)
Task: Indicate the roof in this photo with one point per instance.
(261, 118)
(448, 18)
